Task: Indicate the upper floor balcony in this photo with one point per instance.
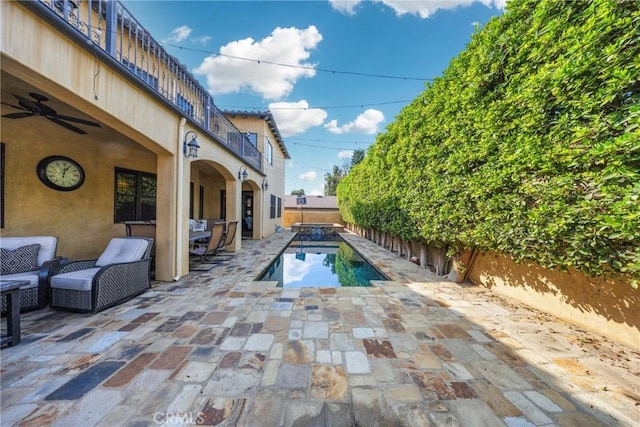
(118, 38)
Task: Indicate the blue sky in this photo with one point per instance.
(345, 68)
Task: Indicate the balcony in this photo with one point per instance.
(119, 39)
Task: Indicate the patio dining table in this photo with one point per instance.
(198, 235)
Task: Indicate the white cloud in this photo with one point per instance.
(291, 46)
(308, 176)
(178, 35)
(317, 192)
(346, 7)
(345, 154)
(296, 117)
(366, 123)
(201, 39)
(421, 8)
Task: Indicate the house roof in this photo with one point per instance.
(267, 117)
(313, 202)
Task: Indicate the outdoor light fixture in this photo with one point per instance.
(190, 149)
(265, 184)
(243, 173)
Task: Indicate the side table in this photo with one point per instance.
(11, 288)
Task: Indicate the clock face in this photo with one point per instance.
(60, 173)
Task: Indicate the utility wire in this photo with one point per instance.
(324, 140)
(304, 67)
(312, 108)
(322, 146)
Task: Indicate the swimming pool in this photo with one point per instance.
(320, 264)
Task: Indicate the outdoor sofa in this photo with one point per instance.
(31, 259)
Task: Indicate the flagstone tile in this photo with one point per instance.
(357, 362)
(329, 383)
(171, 358)
(133, 368)
(85, 381)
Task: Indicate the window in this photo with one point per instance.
(253, 138)
(279, 207)
(135, 196)
(268, 151)
(273, 206)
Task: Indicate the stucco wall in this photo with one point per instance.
(83, 219)
(291, 216)
(607, 307)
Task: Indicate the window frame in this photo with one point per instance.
(138, 196)
(272, 210)
(268, 151)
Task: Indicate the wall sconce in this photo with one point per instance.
(190, 149)
(243, 174)
(265, 184)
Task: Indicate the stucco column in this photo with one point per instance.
(166, 218)
(261, 212)
(234, 210)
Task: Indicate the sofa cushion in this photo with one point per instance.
(30, 276)
(24, 258)
(48, 245)
(121, 250)
(80, 280)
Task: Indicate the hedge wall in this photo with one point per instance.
(528, 144)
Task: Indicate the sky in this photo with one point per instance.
(333, 73)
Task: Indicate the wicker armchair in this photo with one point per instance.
(119, 274)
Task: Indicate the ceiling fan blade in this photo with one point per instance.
(77, 120)
(14, 106)
(27, 103)
(18, 115)
(67, 125)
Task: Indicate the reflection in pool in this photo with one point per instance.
(320, 264)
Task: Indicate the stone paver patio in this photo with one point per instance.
(217, 348)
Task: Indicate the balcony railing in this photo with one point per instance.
(110, 27)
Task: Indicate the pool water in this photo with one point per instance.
(320, 264)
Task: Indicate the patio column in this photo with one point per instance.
(166, 199)
(234, 210)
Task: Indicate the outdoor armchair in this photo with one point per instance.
(30, 259)
(229, 237)
(119, 274)
(212, 245)
(143, 229)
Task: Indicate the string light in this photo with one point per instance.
(304, 67)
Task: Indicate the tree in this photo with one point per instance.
(299, 192)
(332, 179)
(481, 160)
(358, 156)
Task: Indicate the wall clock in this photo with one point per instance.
(60, 173)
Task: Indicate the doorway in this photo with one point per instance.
(247, 214)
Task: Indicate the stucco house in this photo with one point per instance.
(87, 88)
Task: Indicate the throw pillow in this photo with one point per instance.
(19, 260)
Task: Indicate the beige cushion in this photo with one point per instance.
(121, 250)
(80, 280)
(31, 276)
(48, 245)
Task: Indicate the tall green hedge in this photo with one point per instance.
(528, 144)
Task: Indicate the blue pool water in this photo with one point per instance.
(320, 264)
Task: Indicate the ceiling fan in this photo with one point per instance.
(37, 108)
